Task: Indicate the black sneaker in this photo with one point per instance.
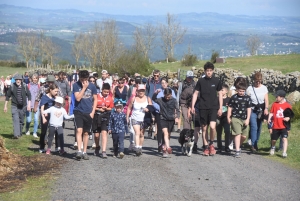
(195, 151)
(138, 151)
(178, 131)
(79, 155)
(227, 150)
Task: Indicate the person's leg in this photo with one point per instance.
(36, 121)
(159, 129)
(142, 137)
(186, 120)
(52, 131)
(103, 140)
(259, 125)
(79, 137)
(44, 127)
(22, 114)
(219, 129)
(121, 141)
(97, 138)
(204, 135)
(179, 122)
(60, 133)
(115, 143)
(56, 141)
(227, 132)
(15, 119)
(166, 137)
(28, 121)
(85, 141)
(137, 130)
(254, 129)
(285, 144)
(237, 142)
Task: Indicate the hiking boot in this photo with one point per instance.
(206, 152)
(85, 156)
(195, 151)
(103, 155)
(159, 148)
(35, 135)
(137, 151)
(253, 150)
(284, 155)
(237, 154)
(212, 150)
(272, 151)
(79, 155)
(97, 151)
(121, 155)
(48, 152)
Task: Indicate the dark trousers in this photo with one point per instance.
(118, 142)
(44, 128)
(160, 138)
(18, 116)
(223, 124)
(59, 131)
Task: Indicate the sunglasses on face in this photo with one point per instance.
(155, 75)
(92, 80)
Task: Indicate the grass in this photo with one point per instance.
(284, 63)
(5, 71)
(22, 146)
(35, 189)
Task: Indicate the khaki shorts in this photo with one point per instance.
(238, 127)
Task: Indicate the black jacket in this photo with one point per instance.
(12, 93)
(168, 108)
(288, 113)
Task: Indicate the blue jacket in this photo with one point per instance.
(118, 123)
(151, 87)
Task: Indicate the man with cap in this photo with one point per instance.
(104, 79)
(19, 93)
(184, 97)
(50, 80)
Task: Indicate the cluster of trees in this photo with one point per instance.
(34, 46)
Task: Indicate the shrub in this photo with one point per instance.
(171, 59)
(9, 63)
(189, 60)
(214, 56)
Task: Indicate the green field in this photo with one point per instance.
(5, 71)
(283, 63)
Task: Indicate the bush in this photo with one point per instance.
(9, 63)
(214, 56)
(133, 62)
(189, 60)
(171, 59)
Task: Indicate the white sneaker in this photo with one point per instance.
(272, 151)
(28, 133)
(35, 135)
(231, 145)
(94, 145)
(249, 142)
(57, 149)
(284, 155)
(42, 151)
(75, 145)
(91, 137)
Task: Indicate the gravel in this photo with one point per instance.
(151, 177)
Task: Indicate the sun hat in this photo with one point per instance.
(18, 77)
(59, 99)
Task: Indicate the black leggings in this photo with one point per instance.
(160, 138)
(59, 131)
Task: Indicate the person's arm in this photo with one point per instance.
(229, 111)
(37, 99)
(177, 111)
(68, 89)
(220, 103)
(79, 95)
(248, 116)
(110, 123)
(28, 94)
(179, 91)
(7, 97)
(44, 114)
(94, 105)
(194, 99)
(266, 104)
(129, 108)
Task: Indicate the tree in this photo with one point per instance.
(253, 44)
(33, 46)
(143, 38)
(214, 56)
(77, 47)
(52, 50)
(171, 34)
(23, 41)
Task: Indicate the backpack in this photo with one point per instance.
(190, 97)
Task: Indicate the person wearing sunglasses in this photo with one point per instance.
(104, 79)
(120, 92)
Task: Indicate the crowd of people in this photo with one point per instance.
(116, 106)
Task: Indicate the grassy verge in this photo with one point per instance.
(35, 189)
(284, 63)
(22, 146)
(5, 71)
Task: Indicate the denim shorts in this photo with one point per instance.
(135, 122)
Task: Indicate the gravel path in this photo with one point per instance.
(150, 177)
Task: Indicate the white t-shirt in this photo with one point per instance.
(57, 115)
(100, 82)
(260, 93)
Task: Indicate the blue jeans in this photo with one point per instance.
(36, 120)
(255, 128)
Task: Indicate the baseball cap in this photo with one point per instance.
(280, 93)
(141, 86)
(144, 80)
(104, 71)
(138, 79)
(59, 99)
(118, 103)
(190, 74)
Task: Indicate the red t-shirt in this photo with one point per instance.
(104, 101)
(277, 110)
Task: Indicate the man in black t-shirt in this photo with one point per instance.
(209, 106)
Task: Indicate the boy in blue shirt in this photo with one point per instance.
(117, 126)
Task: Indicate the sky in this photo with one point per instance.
(161, 7)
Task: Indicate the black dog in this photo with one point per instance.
(186, 138)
